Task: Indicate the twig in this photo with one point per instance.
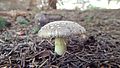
(12, 50)
(43, 63)
(36, 54)
(82, 59)
(23, 59)
(53, 66)
(10, 60)
(49, 42)
(4, 56)
(33, 62)
(41, 42)
(78, 57)
(74, 65)
(2, 41)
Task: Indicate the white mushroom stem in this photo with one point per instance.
(60, 45)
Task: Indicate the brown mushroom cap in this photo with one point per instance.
(61, 29)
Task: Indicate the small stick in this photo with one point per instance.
(33, 62)
(43, 63)
(41, 42)
(54, 66)
(10, 60)
(49, 42)
(2, 41)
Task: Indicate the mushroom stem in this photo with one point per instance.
(60, 45)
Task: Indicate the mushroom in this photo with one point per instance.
(60, 30)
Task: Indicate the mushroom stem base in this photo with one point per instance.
(60, 46)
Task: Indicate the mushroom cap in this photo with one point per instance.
(61, 29)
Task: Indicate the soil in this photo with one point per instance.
(101, 48)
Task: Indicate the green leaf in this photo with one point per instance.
(21, 20)
(3, 23)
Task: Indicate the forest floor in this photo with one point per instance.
(20, 48)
